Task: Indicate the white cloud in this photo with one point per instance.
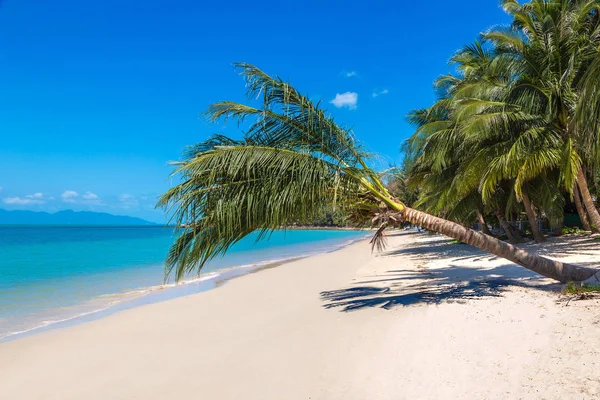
(128, 201)
(69, 196)
(19, 201)
(91, 199)
(379, 93)
(72, 197)
(348, 99)
(350, 74)
(90, 196)
(36, 198)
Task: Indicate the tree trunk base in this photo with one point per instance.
(587, 200)
(594, 280)
(562, 272)
(537, 235)
(585, 222)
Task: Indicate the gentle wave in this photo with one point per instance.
(45, 324)
(111, 300)
(117, 298)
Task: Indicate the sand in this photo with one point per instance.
(427, 319)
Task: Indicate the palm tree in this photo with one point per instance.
(471, 140)
(510, 111)
(529, 97)
(552, 45)
(293, 160)
(522, 94)
(580, 210)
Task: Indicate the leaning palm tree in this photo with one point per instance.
(294, 159)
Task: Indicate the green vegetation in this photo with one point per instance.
(572, 231)
(328, 217)
(578, 289)
(508, 136)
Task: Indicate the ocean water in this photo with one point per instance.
(53, 275)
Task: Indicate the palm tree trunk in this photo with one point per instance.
(484, 227)
(558, 225)
(580, 210)
(537, 235)
(513, 236)
(551, 268)
(588, 201)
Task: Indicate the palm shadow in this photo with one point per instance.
(567, 245)
(441, 247)
(454, 284)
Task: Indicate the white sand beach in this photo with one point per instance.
(427, 319)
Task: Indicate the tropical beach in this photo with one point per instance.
(426, 319)
(49, 280)
(359, 211)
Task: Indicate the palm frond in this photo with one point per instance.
(292, 162)
(229, 192)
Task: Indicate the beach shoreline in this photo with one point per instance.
(426, 319)
(111, 303)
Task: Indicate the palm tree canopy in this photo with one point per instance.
(293, 161)
(509, 114)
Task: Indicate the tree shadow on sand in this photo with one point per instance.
(439, 246)
(454, 284)
(568, 245)
(458, 282)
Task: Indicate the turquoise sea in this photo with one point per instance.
(51, 276)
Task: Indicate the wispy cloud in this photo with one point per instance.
(69, 196)
(380, 92)
(72, 197)
(348, 100)
(350, 74)
(89, 196)
(128, 201)
(91, 199)
(36, 198)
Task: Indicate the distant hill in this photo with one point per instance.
(67, 217)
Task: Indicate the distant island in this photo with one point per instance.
(68, 217)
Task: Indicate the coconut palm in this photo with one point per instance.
(511, 107)
(293, 160)
(527, 103)
(471, 140)
(437, 168)
(552, 45)
(487, 128)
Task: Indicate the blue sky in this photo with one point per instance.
(97, 96)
